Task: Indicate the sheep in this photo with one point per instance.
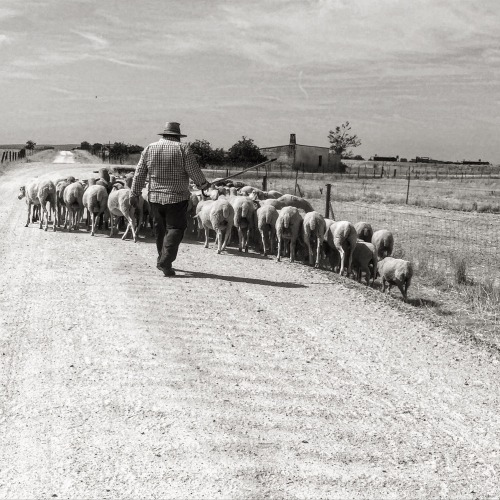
(278, 205)
(294, 201)
(288, 226)
(328, 223)
(73, 200)
(397, 272)
(246, 190)
(273, 194)
(191, 212)
(95, 200)
(119, 206)
(364, 231)
(219, 216)
(313, 233)
(61, 206)
(267, 216)
(383, 241)
(363, 255)
(244, 213)
(37, 193)
(341, 236)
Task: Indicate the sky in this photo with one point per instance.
(413, 77)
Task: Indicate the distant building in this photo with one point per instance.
(301, 157)
(385, 158)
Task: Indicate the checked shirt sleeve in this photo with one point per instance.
(140, 174)
(193, 169)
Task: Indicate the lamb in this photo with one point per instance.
(341, 236)
(267, 216)
(294, 201)
(397, 272)
(288, 227)
(244, 213)
(37, 193)
(364, 231)
(383, 241)
(246, 190)
(314, 232)
(95, 200)
(278, 205)
(73, 199)
(363, 256)
(219, 216)
(119, 206)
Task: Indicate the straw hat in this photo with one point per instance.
(172, 128)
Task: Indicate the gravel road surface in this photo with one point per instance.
(239, 378)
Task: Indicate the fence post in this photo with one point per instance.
(358, 171)
(382, 172)
(264, 183)
(327, 205)
(296, 178)
(408, 188)
(395, 170)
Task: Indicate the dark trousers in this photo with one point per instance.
(170, 224)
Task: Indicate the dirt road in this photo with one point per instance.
(240, 378)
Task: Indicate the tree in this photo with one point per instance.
(85, 146)
(30, 145)
(96, 148)
(134, 149)
(205, 154)
(245, 152)
(341, 140)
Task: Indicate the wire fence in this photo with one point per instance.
(435, 242)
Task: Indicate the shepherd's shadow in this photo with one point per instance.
(238, 279)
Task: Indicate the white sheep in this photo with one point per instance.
(95, 200)
(267, 216)
(219, 216)
(341, 236)
(244, 214)
(38, 193)
(397, 272)
(294, 201)
(119, 206)
(314, 232)
(364, 231)
(363, 256)
(73, 199)
(288, 227)
(383, 241)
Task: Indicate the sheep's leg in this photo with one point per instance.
(272, 236)
(206, 235)
(93, 219)
(40, 219)
(246, 234)
(318, 252)
(139, 224)
(240, 239)
(29, 214)
(292, 249)
(56, 215)
(111, 223)
(219, 240)
(342, 259)
(263, 236)
(309, 249)
(279, 248)
(227, 236)
(384, 285)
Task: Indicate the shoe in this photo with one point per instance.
(166, 271)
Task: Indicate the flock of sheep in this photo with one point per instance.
(287, 220)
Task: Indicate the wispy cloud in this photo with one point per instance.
(4, 39)
(97, 42)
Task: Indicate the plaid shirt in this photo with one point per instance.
(167, 165)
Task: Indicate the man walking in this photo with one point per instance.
(168, 164)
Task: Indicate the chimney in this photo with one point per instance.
(292, 139)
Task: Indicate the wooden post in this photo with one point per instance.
(264, 183)
(408, 189)
(395, 170)
(227, 172)
(358, 171)
(327, 205)
(296, 178)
